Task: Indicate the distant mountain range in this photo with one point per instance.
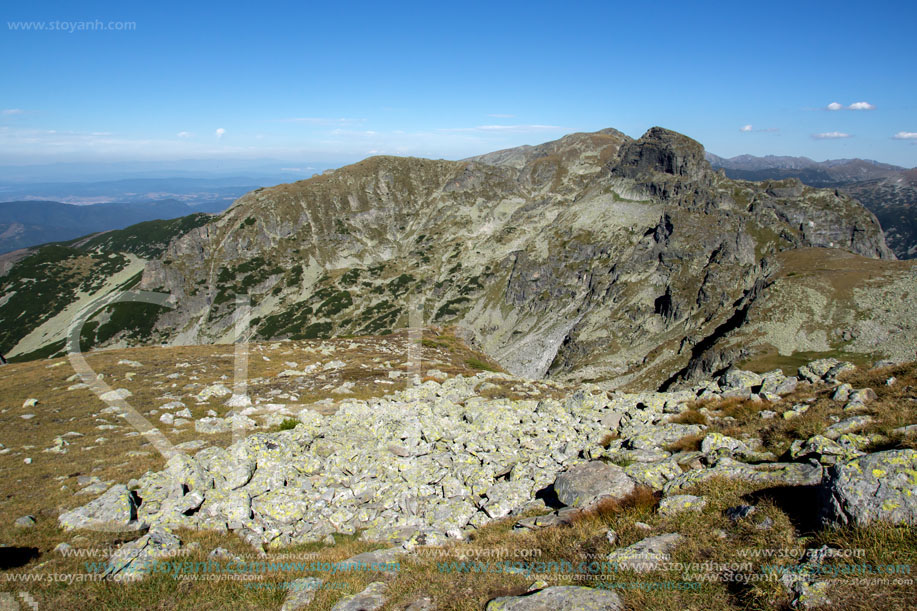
(188, 190)
(27, 223)
(888, 191)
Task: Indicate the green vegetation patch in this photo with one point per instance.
(136, 320)
(449, 309)
(148, 239)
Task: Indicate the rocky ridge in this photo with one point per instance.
(594, 257)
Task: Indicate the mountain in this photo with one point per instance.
(889, 191)
(830, 173)
(28, 223)
(595, 257)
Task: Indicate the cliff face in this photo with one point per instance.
(592, 257)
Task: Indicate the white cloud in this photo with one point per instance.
(219, 132)
(183, 134)
(11, 111)
(905, 136)
(745, 128)
(854, 106)
(831, 136)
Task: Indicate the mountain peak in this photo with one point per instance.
(661, 150)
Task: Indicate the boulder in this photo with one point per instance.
(116, 510)
(583, 485)
(876, 487)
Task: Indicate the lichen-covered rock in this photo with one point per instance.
(115, 510)
(849, 425)
(777, 474)
(559, 598)
(654, 437)
(677, 503)
(136, 559)
(301, 592)
(370, 599)
(738, 378)
(719, 443)
(646, 555)
(826, 451)
(585, 484)
(816, 370)
(653, 474)
(877, 487)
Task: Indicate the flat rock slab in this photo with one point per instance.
(559, 598)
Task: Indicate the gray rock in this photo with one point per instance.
(135, 559)
(717, 442)
(816, 370)
(864, 396)
(116, 510)
(677, 503)
(777, 474)
(212, 426)
(559, 598)
(583, 485)
(653, 475)
(379, 556)
(876, 487)
(25, 522)
(370, 599)
(301, 593)
(849, 425)
(842, 392)
(740, 511)
(738, 378)
(826, 451)
(424, 603)
(646, 555)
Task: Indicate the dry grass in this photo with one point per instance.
(688, 443)
(690, 416)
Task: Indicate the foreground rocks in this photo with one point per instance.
(438, 461)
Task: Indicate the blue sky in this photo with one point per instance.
(303, 81)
